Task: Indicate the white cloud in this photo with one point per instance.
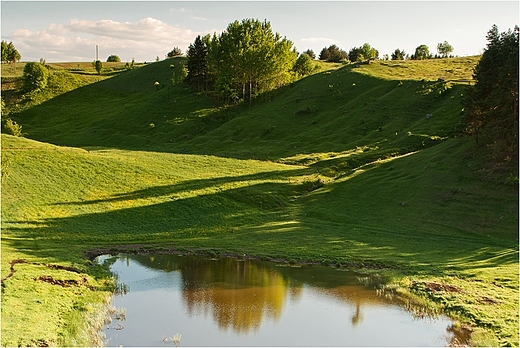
(142, 40)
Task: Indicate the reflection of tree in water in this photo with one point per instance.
(358, 316)
(239, 294)
(245, 293)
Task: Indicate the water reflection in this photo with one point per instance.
(258, 303)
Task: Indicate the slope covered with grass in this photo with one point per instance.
(349, 166)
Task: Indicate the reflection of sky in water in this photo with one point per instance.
(289, 309)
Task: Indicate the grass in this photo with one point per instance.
(342, 167)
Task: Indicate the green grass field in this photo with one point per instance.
(359, 166)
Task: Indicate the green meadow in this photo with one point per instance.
(360, 166)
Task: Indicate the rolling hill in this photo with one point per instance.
(360, 165)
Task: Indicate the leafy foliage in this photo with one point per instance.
(491, 105)
(197, 63)
(444, 49)
(333, 54)
(10, 54)
(176, 51)
(421, 52)
(303, 65)
(310, 53)
(98, 65)
(248, 59)
(34, 77)
(398, 54)
(113, 58)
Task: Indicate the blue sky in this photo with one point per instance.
(62, 31)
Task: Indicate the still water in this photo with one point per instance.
(171, 300)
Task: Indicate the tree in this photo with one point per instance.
(444, 49)
(5, 53)
(421, 52)
(174, 53)
(324, 54)
(398, 54)
(113, 58)
(367, 52)
(333, 54)
(179, 72)
(35, 76)
(303, 65)
(197, 63)
(98, 65)
(491, 104)
(354, 54)
(310, 53)
(10, 54)
(248, 58)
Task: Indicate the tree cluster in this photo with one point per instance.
(491, 104)
(363, 53)
(245, 60)
(10, 54)
(333, 54)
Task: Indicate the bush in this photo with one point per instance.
(113, 58)
(11, 127)
(34, 77)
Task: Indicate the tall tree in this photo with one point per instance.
(444, 49)
(491, 105)
(248, 59)
(197, 63)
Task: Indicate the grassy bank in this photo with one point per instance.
(345, 167)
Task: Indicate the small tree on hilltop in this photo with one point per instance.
(422, 52)
(35, 77)
(333, 54)
(368, 52)
(444, 49)
(113, 58)
(398, 54)
(174, 53)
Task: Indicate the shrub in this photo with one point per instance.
(113, 58)
(34, 77)
(13, 128)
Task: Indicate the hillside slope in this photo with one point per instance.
(347, 166)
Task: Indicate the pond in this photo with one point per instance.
(171, 300)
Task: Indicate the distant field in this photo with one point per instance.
(359, 166)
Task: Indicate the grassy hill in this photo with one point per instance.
(359, 165)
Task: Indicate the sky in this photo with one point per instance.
(68, 31)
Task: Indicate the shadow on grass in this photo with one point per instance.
(252, 221)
